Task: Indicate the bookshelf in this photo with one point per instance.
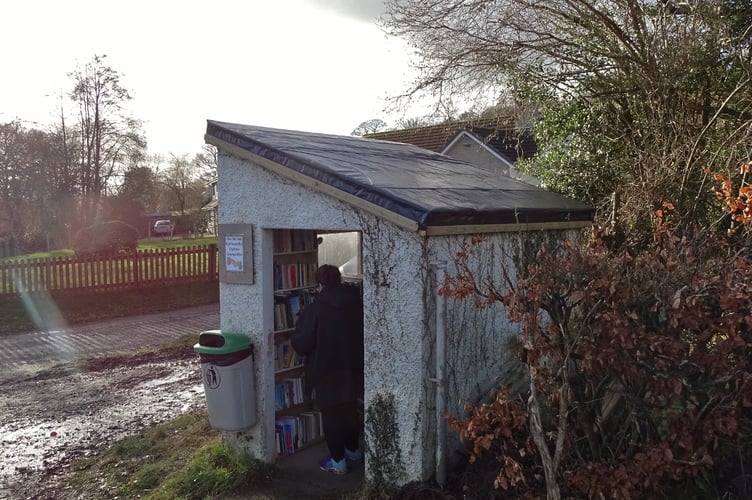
(297, 423)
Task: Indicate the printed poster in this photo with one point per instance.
(234, 253)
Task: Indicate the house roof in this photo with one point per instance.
(498, 134)
(422, 189)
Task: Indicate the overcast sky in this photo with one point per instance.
(314, 65)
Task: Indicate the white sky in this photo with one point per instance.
(313, 65)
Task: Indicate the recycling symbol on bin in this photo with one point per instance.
(211, 377)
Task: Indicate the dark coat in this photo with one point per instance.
(329, 333)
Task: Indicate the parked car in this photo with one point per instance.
(164, 227)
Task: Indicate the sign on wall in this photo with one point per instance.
(236, 253)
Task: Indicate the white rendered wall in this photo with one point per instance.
(478, 355)
(394, 319)
(399, 316)
(472, 152)
(481, 157)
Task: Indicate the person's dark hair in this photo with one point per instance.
(328, 276)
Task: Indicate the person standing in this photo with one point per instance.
(329, 333)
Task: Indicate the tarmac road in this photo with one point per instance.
(56, 344)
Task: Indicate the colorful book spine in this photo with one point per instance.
(293, 432)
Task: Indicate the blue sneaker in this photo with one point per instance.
(354, 456)
(330, 465)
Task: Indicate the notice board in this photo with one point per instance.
(235, 243)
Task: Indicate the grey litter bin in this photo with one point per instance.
(227, 372)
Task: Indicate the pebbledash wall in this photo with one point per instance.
(400, 305)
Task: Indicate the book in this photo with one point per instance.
(284, 356)
(292, 272)
(288, 434)
(312, 425)
(296, 360)
(279, 438)
(288, 392)
(280, 321)
(295, 306)
(280, 397)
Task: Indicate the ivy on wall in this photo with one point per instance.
(383, 442)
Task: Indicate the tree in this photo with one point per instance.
(369, 127)
(413, 122)
(33, 187)
(183, 186)
(64, 138)
(50, 189)
(139, 186)
(637, 96)
(206, 162)
(12, 188)
(108, 140)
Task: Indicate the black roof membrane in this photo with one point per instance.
(426, 187)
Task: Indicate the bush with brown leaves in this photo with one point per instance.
(640, 370)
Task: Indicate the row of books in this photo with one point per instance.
(293, 432)
(292, 240)
(287, 309)
(297, 275)
(288, 392)
(285, 356)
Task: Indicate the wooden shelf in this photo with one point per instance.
(295, 409)
(287, 372)
(292, 267)
(295, 253)
(285, 291)
(308, 444)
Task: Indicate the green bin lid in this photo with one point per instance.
(218, 342)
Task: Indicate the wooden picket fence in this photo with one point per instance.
(118, 271)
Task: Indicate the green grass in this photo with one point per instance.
(145, 244)
(25, 314)
(158, 243)
(41, 255)
(21, 315)
(184, 458)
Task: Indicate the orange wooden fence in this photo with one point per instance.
(120, 271)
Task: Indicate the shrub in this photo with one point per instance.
(111, 236)
(640, 370)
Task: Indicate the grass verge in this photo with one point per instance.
(39, 311)
(184, 458)
(181, 348)
(144, 244)
(181, 459)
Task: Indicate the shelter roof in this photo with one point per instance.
(415, 187)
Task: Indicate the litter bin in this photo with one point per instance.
(227, 372)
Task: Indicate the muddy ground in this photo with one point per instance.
(50, 415)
